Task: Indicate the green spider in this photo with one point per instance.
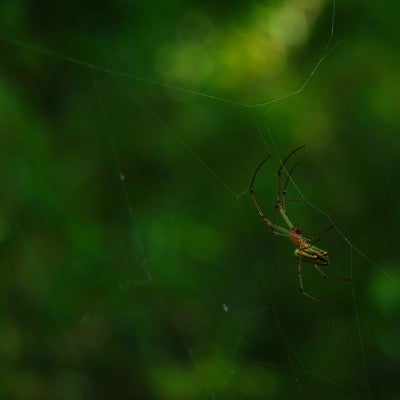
(306, 249)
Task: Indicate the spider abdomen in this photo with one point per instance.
(313, 255)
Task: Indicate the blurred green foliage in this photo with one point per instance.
(133, 263)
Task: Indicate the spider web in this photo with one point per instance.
(176, 290)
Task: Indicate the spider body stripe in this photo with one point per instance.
(313, 255)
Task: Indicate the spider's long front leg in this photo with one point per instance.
(318, 237)
(302, 290)
(275, 229)
(281, 195)
(279, 208)
(284, 192)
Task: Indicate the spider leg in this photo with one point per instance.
(321, 272)
(330, 277)
(284, 199)
(318, 237)
(279, 197)
(279, 208)
(276, 229)
(302, 290)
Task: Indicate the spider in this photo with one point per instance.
(306, 249)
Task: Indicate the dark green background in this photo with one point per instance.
(133, 263)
